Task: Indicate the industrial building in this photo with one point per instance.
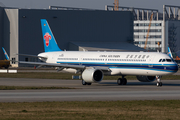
(113, 29)
(73, 28)
(154, 30)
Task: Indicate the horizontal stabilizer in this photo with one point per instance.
(31, 56)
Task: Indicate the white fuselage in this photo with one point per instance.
(119, 63)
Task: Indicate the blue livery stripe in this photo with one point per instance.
(154, 67)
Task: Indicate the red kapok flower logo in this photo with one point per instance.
(47, 37)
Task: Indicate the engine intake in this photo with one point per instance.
(146, 78)
(92, 75)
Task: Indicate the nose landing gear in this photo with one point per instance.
(159, 83)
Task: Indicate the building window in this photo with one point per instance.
(26, 59)
(141, 36)
(136, 30)
(136, 36)
(13, 61)
(136, 24)
(141, 24)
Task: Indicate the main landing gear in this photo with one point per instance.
(159, 83)
(122, 81)
(85, 83)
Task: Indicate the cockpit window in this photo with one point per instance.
(163, 60)
(168, 60)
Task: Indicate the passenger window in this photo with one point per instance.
(139, 56)
(127, 56)
(147, 56)
(131, 56)
(135, 56)
(160, 60)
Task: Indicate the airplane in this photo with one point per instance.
(5, 53)
(5, 63)
(147, 66)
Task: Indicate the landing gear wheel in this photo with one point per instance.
(159, 83)
(88, 83)
(124, 81)
(83, 82)
(119, 81)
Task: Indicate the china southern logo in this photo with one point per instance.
(47, 37)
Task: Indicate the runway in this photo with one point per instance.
(107, 90)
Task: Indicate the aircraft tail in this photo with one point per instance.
(169, 52)
(5, 53)
(50, 44)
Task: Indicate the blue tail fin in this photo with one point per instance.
(5, 53)
(169, 52)
(50, 44)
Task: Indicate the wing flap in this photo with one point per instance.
(102, 68)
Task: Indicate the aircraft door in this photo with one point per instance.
(81, 60)
(54, 58)
(150, 61)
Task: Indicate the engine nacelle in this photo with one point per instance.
(92, 75)
(146, 78)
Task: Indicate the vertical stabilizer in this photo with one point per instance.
(50, 44)
(169, 52)
(5, 53)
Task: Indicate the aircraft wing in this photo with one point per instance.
(64, 65)
(54, 65)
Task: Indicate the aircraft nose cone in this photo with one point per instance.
(176, 68)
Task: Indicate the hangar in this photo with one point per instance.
(80, 29)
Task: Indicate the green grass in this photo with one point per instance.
(107, 110)
(30, 88)
(69, 76)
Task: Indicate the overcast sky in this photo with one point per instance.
(92, 4)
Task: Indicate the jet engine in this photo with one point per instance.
(146, 78)
(92, 75)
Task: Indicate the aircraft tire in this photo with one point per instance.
(159, 84)
(124, 81)
(120, 81)
(88, 83)
(83, 82)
